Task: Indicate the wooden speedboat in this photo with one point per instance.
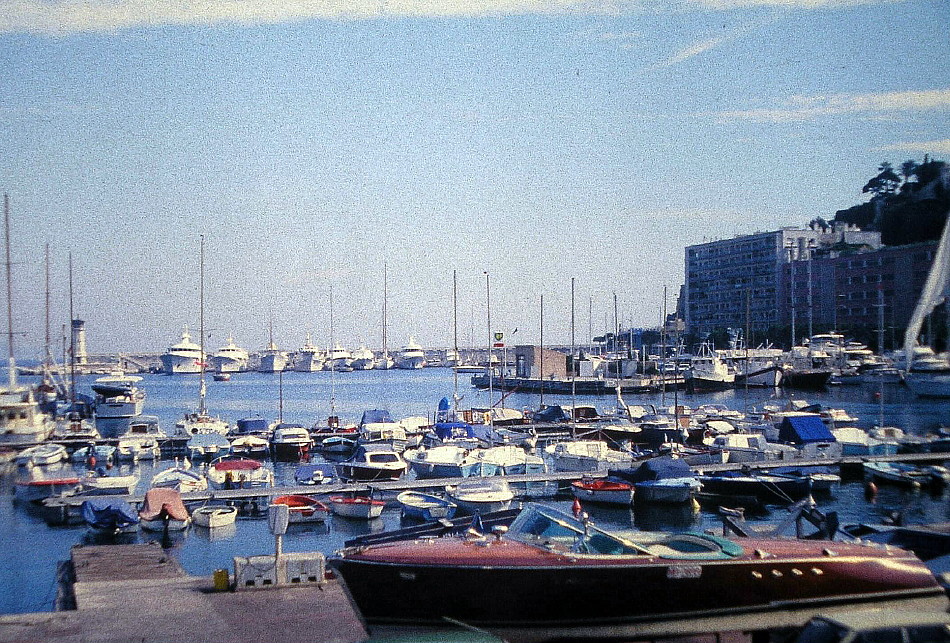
(549, 571)
(425, 506)
(211, 516)
(163, 510)
(358, 507)
(603, 490)
(303, 508)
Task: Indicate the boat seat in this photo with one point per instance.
(686, 546)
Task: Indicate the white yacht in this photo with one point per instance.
(183, 357)
(117, 396)
(230, 358)
(363, 359)
(708, 372)
(273, 360)
(451, 358)
(339, 359)
(309, 358)
(411, 356)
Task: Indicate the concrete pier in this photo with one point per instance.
(139, 593)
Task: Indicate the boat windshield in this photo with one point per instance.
(539, 526)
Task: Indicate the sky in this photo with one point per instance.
(519, 145)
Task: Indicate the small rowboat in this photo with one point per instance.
(425, 506)
(357, 507)
(212, 516)
(603, 490)
(303, 508)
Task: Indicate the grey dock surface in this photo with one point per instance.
(140, 593)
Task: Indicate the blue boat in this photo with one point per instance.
(109, 516)
(425, 506)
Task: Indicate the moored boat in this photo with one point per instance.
(212, 516)
(661, 480)
(603, 490)
(303, 508)
(36, 489)
(549, 571)
(425, 506)
(163, 510)
(291, 442)
(180, 479)
(482, 495)
(372, 462)
(109, 516)
(41, 455)
(358, 507)
(104, 482)
(239, 473)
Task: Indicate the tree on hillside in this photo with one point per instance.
(885, 183)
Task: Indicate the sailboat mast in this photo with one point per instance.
(573, 357)
(49, 355)
(455, 343)
(201, 329)
(385, 305)
(72, 338)
(489, 368)
(11, 361)
(332, 361)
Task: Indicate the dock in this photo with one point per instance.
(140, 593)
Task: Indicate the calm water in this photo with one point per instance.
(31, 549)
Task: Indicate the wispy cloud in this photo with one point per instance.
(807, 108)
(63, 17)
(702, 46)
(931, 147)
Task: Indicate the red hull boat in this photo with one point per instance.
(551, 571)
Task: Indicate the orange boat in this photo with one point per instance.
(603, 490)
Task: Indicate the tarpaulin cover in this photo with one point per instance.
(104, 513)
(448, 430)
(654, 469)
(553, 413)
(376, 416)
(250, 425)
(159, 501)
(803, 429)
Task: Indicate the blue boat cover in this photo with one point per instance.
(804, 429)
(654, 469)
(553, 413)
(449, 430)
(105, 513)
(250, 425)
(444, 404)
(375, 416)
(306, 472)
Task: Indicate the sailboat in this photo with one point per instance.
(385, 362)
(21, 421)
(930, 377)
(201, 421)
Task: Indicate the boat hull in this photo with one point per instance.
(672, 597)
(211, 517)
(935, 385)
(364, 473)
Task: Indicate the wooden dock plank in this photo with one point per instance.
(148, 561)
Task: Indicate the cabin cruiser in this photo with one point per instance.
(372, 462)
(707, 372)
(183, 357)
(308, 359)
(118, 397)
(273, 360)
(230, 358)
(291, 442)
(339, 359)
(586, 456)
(411, 356)
(547, 572)
(21, 420)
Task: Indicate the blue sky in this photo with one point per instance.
(537, 140)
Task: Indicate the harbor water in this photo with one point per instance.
(31, 549)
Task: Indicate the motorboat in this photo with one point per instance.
(239, 473)
(451, 359)
(586, 456)
(74, 427)
(320, 431)
(425, 506)
(363, 359)
(221, 377)
(708, 372)
(661, 480)
(250, 446)
(372, 462)
(109, 516)
(94, 454)
(358, 507)
(253, 425)
(103, 482)
(308, 358)
(303, 508)
(118, 396)
(763, 487)
(230, 358)
(185, 357)
(22, 423)
(133, 448)
(481, 495)
(201, 422)
(291, 442)
(508, 459)
(411, 356)
(338, 445)
(314, 473)
(608, 491)
(273, 360)
(38, 488)
(544, 577)
(41, 455)
(907, 474)
(163, 510)
(180, 479)
(445, 461)
(207, 446)
(377, 426)
(856, 441)
(144, 426)
(212, 516)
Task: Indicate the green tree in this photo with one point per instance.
(885, 183)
